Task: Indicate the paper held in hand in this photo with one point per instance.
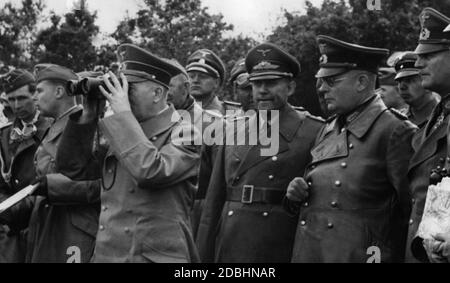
(13, 200)
(436, 214)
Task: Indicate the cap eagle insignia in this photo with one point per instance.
(264, 51)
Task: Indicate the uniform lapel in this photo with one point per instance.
(334, 144)
(429, 143)
(290, 122)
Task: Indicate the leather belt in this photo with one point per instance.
(250, 194)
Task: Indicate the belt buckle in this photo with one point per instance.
(247, 194)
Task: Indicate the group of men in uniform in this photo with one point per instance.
(125, 186)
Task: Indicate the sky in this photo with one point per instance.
(254, 18)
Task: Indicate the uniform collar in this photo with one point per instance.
(160, 123)
(360, 122)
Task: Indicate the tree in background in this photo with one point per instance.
(176, 28)
(18, 32)
(69, 43)
(396, 27)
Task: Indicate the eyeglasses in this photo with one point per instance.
(331, 81)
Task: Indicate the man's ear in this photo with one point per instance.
(159, 94)
(363, 82)
(291, 87)
(60, 91)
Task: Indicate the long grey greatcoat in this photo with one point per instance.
(261, 231)
(64, 224)
(431, 153)
(148, 187)
(359, 198)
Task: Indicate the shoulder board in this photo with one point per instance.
(235, 118)
(213, 113)
(331, 118)
(232, 104)
(5, 125)
(315, 118)
(398, 114)
(299, 108)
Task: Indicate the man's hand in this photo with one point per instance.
(298, 190)
(118, 95)
(433, 249)
(444, 239)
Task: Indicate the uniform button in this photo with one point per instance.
(448, 159)
(303, 223)
(313, 167)
(52, 160)
(230, 213)
(271, 177)
(334, 204)
(127, 230)
(413, 201)
(442, 160)
(110, 171)
(102, 228)
(343, 130)
(16, 181)
(104, 208)
(46, 206)
(351, 146)
(309, 184)
(274, 158)
(338, 183)
(238, 178)
(330, 225)
(154, 138)
(344, 165)
(439, 168)
(306, 204)
(411, 222)
(265, 214)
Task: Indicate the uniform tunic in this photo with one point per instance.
(149, 184)
(359, 198)
(243, 218)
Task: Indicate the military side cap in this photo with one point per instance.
(268, 61)
(238, 68)
(206, 61)
(89, 74)
(139, 65)
(405, 65)
(16, 79)
(53, 72)
(338, 57)
(386, 76)
(433, 37)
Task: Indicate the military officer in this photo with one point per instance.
(241, 86)
(207, 74)
(179, 95)
(434, 64)
(69, 207)
(243, 219)
(389, 92)
(354, 200)
(420, 100)
(18, 143)
(149, 173)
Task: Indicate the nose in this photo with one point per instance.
(420, 62)
(323, 87)
(194, 77)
